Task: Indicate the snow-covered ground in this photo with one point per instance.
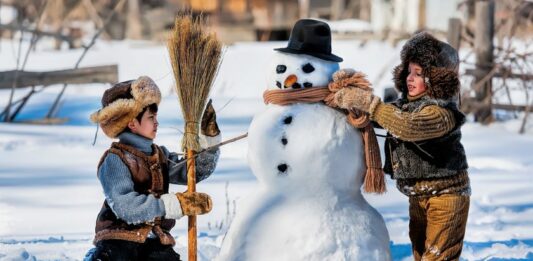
(50, 196)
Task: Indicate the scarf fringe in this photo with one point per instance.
(374, 177)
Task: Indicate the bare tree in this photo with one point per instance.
(506, 67)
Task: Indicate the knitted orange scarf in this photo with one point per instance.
(374, 178)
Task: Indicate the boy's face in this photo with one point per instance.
(415, 80)
(147, 127)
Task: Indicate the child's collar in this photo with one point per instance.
(137, 141)
(414, 98)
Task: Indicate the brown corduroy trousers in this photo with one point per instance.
(437, 226)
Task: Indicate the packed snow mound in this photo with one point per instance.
(18, 255)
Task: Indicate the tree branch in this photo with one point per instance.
(117, 7)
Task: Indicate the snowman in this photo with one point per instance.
(310, 165)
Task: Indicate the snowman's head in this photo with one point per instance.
(296, 71)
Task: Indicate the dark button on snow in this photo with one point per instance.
(278, 84)
(282, 167)
(308, 84)
(296, 85)
(284, 141)
(287, 120)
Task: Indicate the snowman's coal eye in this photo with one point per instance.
(281, 68)
(308, 68)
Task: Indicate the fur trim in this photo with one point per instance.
(121, 90)
(431, 54)
(443, 83)
(206, 141)
(145, 91)
(172, 206)
(116, 114)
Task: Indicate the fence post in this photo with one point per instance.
(484, 48)
(454, 33)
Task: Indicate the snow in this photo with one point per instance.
(349, 26)
(50, 196)
(7, 14)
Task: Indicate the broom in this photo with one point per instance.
(195, 56)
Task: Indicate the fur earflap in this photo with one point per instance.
(439, 62)
(443, 83)
(123, 102)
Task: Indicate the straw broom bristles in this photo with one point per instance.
(195, 56)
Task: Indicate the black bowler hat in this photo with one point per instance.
(313, 38)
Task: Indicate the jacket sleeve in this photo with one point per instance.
(126, 203)
(205, 166)
(430, 122)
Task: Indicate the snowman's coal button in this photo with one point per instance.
(281, 68)
(287, 120)
(278, 84)
(283, 167)
(308, 84)
(296, 85)
(284, 141)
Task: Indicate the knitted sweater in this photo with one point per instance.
(135, 208)
(423, 149)
(429, 122)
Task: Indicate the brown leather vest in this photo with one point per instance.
(150, 176)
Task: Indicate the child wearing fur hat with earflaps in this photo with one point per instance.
(139, 212)
(423, 148)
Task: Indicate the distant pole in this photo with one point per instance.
(337, 8)
(365, 8)
(248, 6)
(134, 25)
(484, 48)
(1, 31)
(421, 14)
(454, 33)
(304, 8)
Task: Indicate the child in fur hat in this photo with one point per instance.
(139, 212)
(423, 148)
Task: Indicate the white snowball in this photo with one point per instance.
(322, 149)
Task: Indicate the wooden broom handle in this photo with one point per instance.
(191, 187)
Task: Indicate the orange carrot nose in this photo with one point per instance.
(290, 80)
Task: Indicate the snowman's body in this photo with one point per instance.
(310, 163)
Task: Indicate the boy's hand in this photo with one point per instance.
(194, 203)
(209, 124)
(356, 98)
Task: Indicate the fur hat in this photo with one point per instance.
(123, 102)
(439, 62)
